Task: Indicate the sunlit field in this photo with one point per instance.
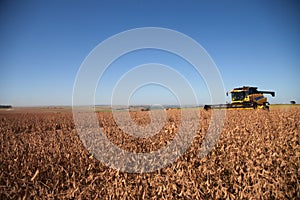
(256, 157)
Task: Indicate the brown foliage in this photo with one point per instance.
(257, 156)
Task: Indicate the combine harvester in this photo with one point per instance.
(244, 98)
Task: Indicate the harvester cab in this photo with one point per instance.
(245, 97)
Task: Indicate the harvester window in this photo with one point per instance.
(237, 96)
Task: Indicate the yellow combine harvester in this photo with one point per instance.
(245, 97)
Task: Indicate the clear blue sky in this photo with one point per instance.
(43, 43)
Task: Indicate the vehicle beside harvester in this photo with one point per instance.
(245, 97)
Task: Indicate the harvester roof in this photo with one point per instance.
(250, 90)
(244, 88)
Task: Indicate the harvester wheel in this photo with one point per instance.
(255, 105)
(266, 107)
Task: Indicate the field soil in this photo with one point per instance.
(257, 156)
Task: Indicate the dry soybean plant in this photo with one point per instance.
(256, 157)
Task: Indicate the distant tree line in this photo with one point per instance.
(5, 106)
